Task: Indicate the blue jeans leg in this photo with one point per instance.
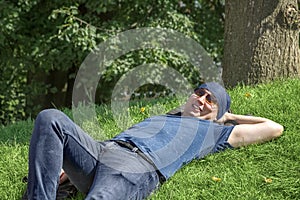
(58, 143)
(122, 175)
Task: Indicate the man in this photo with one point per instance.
(134, 163)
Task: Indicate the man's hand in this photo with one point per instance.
(63, 177)
(223, 119)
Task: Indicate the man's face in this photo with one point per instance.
(201, 104)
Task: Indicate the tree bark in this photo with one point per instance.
(261, 41)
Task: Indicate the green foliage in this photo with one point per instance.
(40, 41)
(12, 97)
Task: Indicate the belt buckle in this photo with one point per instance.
(134, 149)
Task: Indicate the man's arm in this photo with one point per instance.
(252, 129)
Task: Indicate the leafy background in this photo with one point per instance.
(43, 44)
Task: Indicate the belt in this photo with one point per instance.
(135, 149)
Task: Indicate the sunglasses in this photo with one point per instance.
(210, 99)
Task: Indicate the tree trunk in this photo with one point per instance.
(261, 41)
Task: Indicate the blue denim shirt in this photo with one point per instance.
(173, 141)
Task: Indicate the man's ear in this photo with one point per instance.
(214, 106)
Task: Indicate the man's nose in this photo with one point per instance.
(202, 99)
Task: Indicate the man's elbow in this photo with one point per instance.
(278, 130)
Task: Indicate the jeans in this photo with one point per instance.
(101, 170)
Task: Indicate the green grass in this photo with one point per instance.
(243, 172)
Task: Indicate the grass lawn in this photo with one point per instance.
(267, 171)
